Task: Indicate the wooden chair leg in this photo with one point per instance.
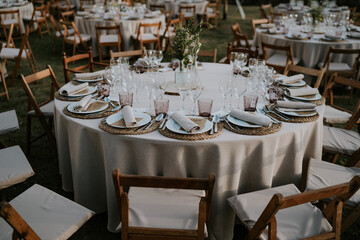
(28, 135)
(100, 53)
(48, 132)
(14, 73)
(5, 87)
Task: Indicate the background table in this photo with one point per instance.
(87, 155)
(174, 6)
(127, 28)
(25, 10)
(312, 51)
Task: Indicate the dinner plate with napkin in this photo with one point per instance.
(128, 118)
(87, 105)
(305, 93)
(89, 77)
(179, 123)
(246, 119)
(293, 81)
(332, 37)
(71, 89)
(296, 109)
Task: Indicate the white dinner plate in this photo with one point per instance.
(332, 39)
(242, 123)
(91, 90)
(302, 37)
(297, 114)
(316, 97)
(300, 83)
(145, 118)
(173, 126)
(88, 80)
(71, 106)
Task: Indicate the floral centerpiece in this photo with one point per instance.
(316, 14)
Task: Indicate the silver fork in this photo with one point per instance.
(227, 122)
(267, 109)
(269, 116)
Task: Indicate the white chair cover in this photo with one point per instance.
(47, 109)
(49, 214)
(8, 122)
(280, 59)
(333, 115)
(339, 140)
(14, 167)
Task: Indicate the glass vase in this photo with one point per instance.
(181, 73)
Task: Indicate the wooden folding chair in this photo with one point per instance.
(208, 53)
(76, 39)
(211, 12)
(187, 12)
(157, 6)
(255, 22)
(276, 60)
(132, 53)
(43, 110)
(319, 174)
(8, 40)
(108, 40)
(342, 141)
(39, 21)
(146, 38)
(318, 74)
(58, 32)
(85, 4)
(32, 216)
(251, 53)
(71, 64)
(286, 213)
(18, 54)
(265, 10)
(5, 91)
(168, 194)
(169, 32)
(68, 16)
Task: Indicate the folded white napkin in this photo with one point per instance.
(84, 103)
(70, 88)
(294, 106)
(188, 125)
(303, 91)
(89, 75)
(332, 36)
(129, 117)
(297, 34)
(292, 79)
(251, 118)
(158, 12)
(272, 30)
(355, 34)
(267, 25)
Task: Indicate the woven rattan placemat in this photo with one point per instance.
(191, 137)
(67, 99)
(254, 131)
(127, 131)
(107, 112)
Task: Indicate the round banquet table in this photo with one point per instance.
(242, 163)
(25, 10)
(127, 28)
(311, 51)
(174, 6)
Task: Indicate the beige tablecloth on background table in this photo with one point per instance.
(175, 5)
(25, 10)
(127, 27)
(87, 156)
(311, 52)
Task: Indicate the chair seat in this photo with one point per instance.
(188, 14)
(324, 174)
(164, 208)
(339, 140)
(49, 214)
(335, 66)
(111, 38)
(70, 32)
(14, 167)
(47, 109)
(39, 14)
(28, 18)
(146, 37)
(11, 21)
(292, 223)
(333, 115)
(8, 122)
(280, 60)
(12, 53)
(84, 37)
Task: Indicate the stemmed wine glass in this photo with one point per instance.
(158, 56)
(149, 57)
(148, 86)
(183, 87)
(239, 85)
(225, 89)
(195, 86)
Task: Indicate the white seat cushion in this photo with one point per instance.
(164, 208)
(280, 60)
(333, 115)
(47, 109)
(70, 32)
(84, 37)
(14, 167)
(335, 66)
(292, 223)
(324, 174)
(8, 122)
(10, 21)
(111, 38)
(49, 214)
(12, 53)
(188, 14)
(339, 140)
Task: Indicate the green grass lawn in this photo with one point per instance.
(43, 156)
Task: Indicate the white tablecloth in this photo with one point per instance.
(25, 10)
(311, 52)
(175, 5)
(87, 156)
(127, 27)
